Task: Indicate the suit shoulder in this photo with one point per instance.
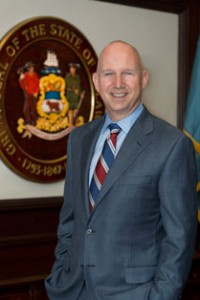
(165, 130)
(161, 124)
(166, 126)
(85, 128)
(171, 133)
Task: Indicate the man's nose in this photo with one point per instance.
(119, 81)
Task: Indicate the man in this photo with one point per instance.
(135, 241)
(29, 82)
(73, 92)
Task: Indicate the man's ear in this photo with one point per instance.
(145, 78)
(95, 81)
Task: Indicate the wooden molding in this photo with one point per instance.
(161, 5)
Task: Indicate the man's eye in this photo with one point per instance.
(108, 74)
(128, 73)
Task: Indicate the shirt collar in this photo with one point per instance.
(125, 123)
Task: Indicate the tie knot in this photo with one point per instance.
(114, 128)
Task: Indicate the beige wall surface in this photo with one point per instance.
(154, 34)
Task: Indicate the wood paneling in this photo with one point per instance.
(27, 242)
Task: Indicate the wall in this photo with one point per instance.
(154, 33)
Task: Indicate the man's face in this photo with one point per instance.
(31, 69)
(120, 80)
(73, 71)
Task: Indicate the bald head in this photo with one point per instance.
(118, 48)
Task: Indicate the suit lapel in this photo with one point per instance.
(137, 140)
(89, 142)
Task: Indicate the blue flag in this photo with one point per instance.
(192, 114)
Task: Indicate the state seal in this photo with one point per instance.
(46, 90)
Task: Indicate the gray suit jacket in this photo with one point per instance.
(138, 242)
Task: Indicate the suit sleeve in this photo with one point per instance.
(65, 227)
(178, 206)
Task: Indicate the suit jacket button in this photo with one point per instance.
(89, 231)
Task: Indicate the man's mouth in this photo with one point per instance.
(118, 95)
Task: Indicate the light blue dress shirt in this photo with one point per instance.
(125, 124)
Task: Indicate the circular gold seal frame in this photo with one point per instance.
(46, 90)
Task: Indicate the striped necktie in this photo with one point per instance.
(104, 163)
